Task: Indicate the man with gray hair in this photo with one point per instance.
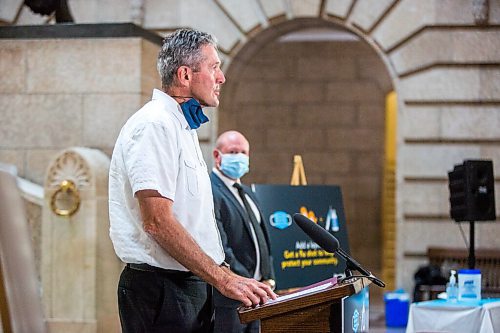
(161, 205)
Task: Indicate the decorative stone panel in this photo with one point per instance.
(203, 15)
(470, 123)
(36, 120)
(12, 66)
(274, 8)
(487, 232)
(421, 234)
(150, 78)
(366, 13)
(10, 9)
(431, 200)
(305, 8)
(69, 166)
(494, 12)
(444, 46)
(84, 65)
(452, 84)
(411, 119)
(425, 199)
(491, 152)
(434, 160)
(96, 11)
(79, 267)
(104, 115)
(409, 16)
(338, 8)
(248, 14)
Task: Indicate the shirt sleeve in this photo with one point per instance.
(151, 159)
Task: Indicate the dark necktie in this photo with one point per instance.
(265, 265)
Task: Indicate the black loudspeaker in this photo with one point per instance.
(472, 191)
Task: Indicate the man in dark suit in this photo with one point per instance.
(241, 225)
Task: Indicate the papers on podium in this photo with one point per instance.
(311, 289)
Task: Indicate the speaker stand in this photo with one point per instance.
(472, 256)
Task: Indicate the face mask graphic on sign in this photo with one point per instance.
(280, 220)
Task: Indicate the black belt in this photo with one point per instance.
(149, 268)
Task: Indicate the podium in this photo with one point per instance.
(316, 308)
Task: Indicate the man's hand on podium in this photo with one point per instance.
(250, 292)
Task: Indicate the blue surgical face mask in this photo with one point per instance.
(234, 165)
(193, 113)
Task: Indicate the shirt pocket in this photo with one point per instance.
(191, 177)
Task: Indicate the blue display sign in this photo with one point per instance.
(297, 260)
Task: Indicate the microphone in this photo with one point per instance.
(331, 244)
(323, 238)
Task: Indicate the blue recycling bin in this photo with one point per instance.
(397, 307)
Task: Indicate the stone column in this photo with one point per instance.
(79, 270)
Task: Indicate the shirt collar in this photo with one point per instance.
(171, 103)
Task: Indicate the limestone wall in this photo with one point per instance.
(72, 92)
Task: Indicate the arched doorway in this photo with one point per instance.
(310, 87)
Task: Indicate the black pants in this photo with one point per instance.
(157, 300)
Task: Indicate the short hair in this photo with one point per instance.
(181, 48)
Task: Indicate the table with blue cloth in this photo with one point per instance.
(458, 317)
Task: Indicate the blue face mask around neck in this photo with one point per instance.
(234, 165)
(193, 113)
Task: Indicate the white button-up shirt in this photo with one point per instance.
(157, 150)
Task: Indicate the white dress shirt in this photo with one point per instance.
(157, 150)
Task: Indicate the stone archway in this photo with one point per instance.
(324, 100)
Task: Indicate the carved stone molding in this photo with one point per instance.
(480, 11)
(68, 166)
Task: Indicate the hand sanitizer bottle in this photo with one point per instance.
(335, 221)
(452, 287)
(332, 221)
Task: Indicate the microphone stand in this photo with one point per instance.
(352, 264)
